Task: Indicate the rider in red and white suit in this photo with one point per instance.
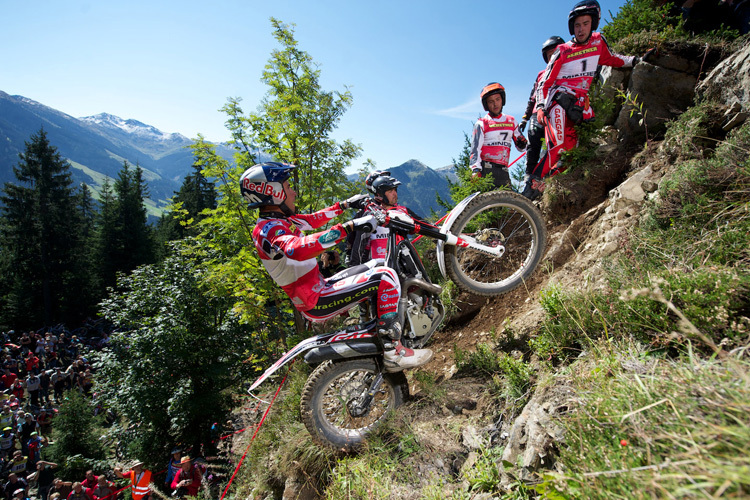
(562, 93)
(493, 136)
(289, 257)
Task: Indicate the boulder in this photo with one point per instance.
(660, 94)
(729, 82)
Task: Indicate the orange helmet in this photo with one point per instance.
(488, 90)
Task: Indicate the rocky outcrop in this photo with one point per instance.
(729, 82)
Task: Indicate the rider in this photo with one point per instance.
(289, 257)
(536, 130)
(370, 246)
(562, 93)
(491, 139)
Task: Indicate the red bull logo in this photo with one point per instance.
(263, 188)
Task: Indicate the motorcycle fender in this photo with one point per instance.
(446, 227)
(342, 350)
(355, 331)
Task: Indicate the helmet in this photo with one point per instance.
(488, 90)
(371, 178)
(551, 43)
(585, 8)
(262, 184)
(383, 184)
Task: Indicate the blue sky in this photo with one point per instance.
(415, 68)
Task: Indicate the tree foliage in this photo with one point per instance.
(293, 124)
(180, 352)
(123, 237)
(74, 430)
(43, 239)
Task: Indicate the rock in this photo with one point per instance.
(729, 81)
(631, 191)
(297, 488)
(663, 94)
(535, 431)
(471, 438)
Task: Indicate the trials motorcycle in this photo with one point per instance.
(488, 245)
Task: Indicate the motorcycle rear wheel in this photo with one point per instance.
(497, 218)
(332, 390)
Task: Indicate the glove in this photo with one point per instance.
(366, 224)
(540, 116)
(522, 125)
(358, 202)
(644, 57)
(400, 216)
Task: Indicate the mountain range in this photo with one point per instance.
(96, 147)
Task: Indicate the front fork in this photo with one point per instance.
(361, 408)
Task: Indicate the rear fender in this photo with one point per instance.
(350, 333)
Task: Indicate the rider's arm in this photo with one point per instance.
(316, 219)
(475, 156)
(548, 78)
(518, 138)
(281, 239)
(609, 58)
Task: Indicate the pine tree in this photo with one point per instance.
(195, 195)
(124, 240)
(41, 237)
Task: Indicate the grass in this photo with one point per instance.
(674, 428)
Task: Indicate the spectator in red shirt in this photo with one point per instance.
(8, 378)
(91, 480)
(187, 482)
(104, 489)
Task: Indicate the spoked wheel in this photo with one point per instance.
(497, 218)
(333, 396)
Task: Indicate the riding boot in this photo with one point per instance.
(534, 187)
(398, 357)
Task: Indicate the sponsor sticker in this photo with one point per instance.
(329, 236)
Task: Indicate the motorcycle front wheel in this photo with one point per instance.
(331, 402)
(493, 219)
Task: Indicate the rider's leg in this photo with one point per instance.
(561, 136)
(381, 285)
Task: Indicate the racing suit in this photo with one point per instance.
(490, 147)
(536, 129)
(562, 93)
(365, 247)
(289, 257)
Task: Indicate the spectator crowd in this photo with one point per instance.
(37, 370)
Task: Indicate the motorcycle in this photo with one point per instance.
(488, 245)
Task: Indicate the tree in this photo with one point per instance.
(41, 234)
(123, 239)
(180, 351)
(195, 195)
(294, 122)
(74, 430)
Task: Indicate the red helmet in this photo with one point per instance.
(488, 90)
(585, 8)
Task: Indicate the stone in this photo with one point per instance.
(663, 94)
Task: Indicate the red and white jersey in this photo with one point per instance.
(573, 66)
(289, 256)
(378, 244)
(492, 139)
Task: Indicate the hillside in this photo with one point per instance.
(97, 146)
(620, 369)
